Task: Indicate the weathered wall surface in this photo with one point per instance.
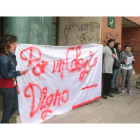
(79, 30)
(33, 30)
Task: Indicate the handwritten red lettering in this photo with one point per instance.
(30, 86)
(41, 68)
(77, 64)
(45, 102)
(30, 59)
(59, 67)
(90, 87)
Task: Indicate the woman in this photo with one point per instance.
(126, 69)
(8, 74)
(108, 61)
(116, 72)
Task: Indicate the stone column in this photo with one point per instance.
(30, 30)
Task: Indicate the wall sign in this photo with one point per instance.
(111, 22)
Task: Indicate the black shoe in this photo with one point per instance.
(104, 96)
(117, 90)
(113, 91)
(110, 95)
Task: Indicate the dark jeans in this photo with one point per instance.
(10, 103)
(107, 83)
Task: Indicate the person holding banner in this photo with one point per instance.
(8, 74)
(108, 61)
(127, 59)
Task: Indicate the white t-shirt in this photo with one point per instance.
(127, 67)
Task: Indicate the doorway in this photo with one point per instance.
(131, 37)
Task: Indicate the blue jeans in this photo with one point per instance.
(10, 103)
(115, 77)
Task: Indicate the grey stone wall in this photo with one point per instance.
(79, 30)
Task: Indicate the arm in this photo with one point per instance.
(103, 56)
(4, 69)
(122, 62)
(133, 61)
(115, 54)
(122, 58)
(104, 51)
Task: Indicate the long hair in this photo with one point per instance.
(5, 42)
(116, 45)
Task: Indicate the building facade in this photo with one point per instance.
(68, 31)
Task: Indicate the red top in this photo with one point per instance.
(7, 83)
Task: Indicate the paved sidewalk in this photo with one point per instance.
(117, 109)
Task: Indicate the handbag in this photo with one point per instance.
(116, 64)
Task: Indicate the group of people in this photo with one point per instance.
(114, 62)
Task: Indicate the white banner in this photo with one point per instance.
(58, 79)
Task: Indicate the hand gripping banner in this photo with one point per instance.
(58, 79)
